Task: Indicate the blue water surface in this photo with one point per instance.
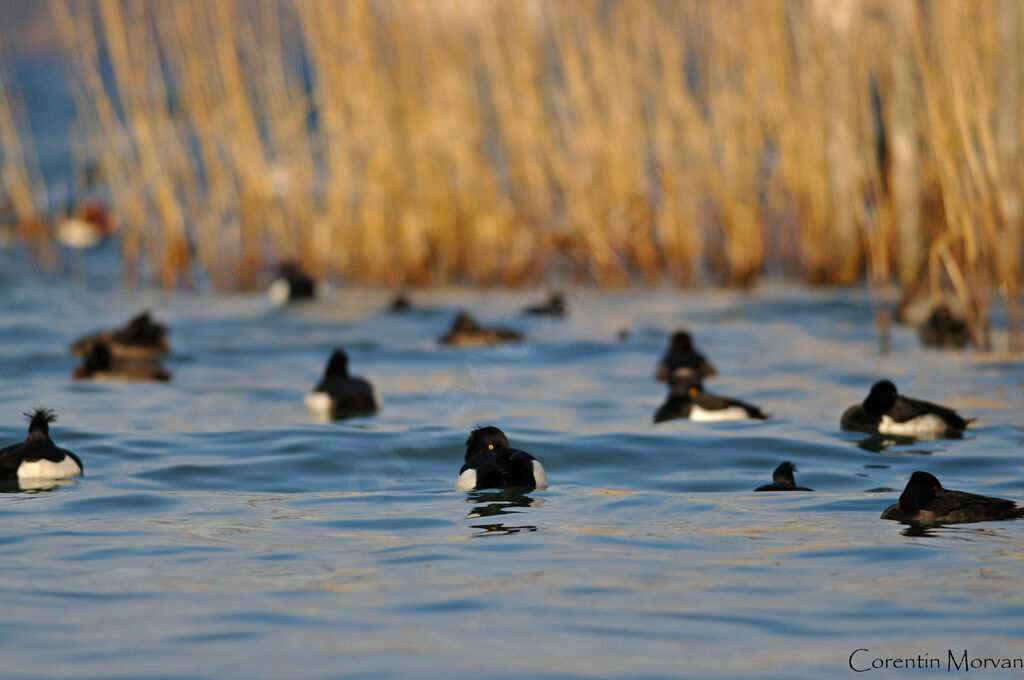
(221, 532)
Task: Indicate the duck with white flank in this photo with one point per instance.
(141, 338)
(99, 363)
(291, 284)
(924, 501)
(339, 395)
(885, 411)
(782, 479)
(491, 464)
(466, 332)
(682, 354)
(38, 457)
(687, 399)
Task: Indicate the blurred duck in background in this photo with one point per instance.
(466, 332)
(87, 227)
(100, 363)
(141, 338)
(555, 306)
(682, 354)
(292, 284)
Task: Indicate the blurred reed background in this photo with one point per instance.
(417, 142)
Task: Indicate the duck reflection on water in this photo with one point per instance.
(885, 443)
(501, 502)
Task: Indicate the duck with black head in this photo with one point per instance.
(687, 399)
(783, 480)
(886, 411)
(682, 354)
(925, 501)
(292, 284)
(340, 395)
(38, 457)
(492, 464)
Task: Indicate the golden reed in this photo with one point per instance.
(492, 142)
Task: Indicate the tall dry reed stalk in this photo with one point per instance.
(490, 142)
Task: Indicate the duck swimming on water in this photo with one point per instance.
(925, 501)
(687, 399)
(492, 464)
(885, 411)
(292, 284)
(555, 306)
(339, 395)
(467, 332)
(38, 457)
(140, 338)
(782, 479)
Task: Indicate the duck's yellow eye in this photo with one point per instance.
(490, 446)
(693, 391)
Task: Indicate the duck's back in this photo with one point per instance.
(952, 507)
(348, 394)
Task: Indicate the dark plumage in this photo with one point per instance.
(339, 395)
(466, 332)
(292, 284)
(38, 457)
(400, 303)
(924, 501)
(555, 306)
(885, 411)
(782, 479)
(682, 354)
(687, 399)
(944, 329)
(99, 363)
(491, 464)
(141, 338)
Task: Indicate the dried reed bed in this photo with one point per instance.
(428, 141)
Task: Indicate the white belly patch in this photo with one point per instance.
(47, 469)
(540, 477)
(728, 413)
(466, 481)
(318, 402)
(927, 424)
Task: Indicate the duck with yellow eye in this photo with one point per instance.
(492, 464)
(687, 399)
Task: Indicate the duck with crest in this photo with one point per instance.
(38, 457)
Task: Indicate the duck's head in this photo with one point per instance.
(464, 323)
(681, 341)
(143, 327)
(881, 398)
(487, 438)
(784, 473)
(39, 420)
(338, 364)
(921, 489)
